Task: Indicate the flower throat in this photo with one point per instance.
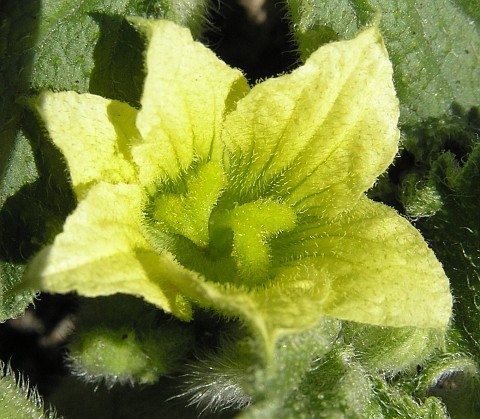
(207, 231)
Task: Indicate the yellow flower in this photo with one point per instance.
(249, 202)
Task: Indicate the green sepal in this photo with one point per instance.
(277, 382)
(120, 340)
(234, 374)
(17, 400)
(402, 348)
(338, 386)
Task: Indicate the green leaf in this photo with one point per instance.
(432, 44)
(17, 166)
(454, 233)
(61, 64)
(12, 305)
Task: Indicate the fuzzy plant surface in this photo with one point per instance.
(18, 400)
(222, 237)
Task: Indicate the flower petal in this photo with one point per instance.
(321, 135)
(93, 133)
(291, 303)
(186, 94)
(381, 269)
(102, 251)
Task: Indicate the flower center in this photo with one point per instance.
(210, 232)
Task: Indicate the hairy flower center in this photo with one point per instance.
(213, 234)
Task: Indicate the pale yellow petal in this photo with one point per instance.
(382, 271)
(187, 92)
(292, 302)
(92, 133)
(320, 136)
(102, 251)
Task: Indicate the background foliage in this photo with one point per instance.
(329, 371)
